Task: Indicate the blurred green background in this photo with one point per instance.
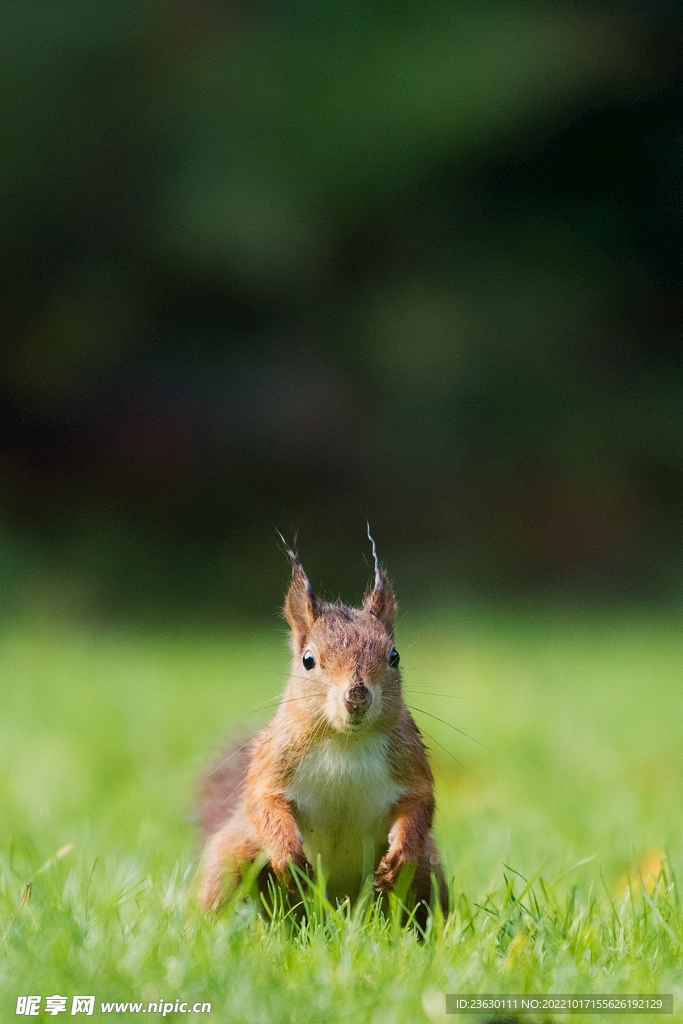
(290, 264)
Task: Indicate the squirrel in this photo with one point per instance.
(341, 771)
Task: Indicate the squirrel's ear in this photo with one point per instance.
(302, 607)
(380, 600)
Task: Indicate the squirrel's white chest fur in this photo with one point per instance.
(343, 793)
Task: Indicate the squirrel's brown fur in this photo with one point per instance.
(341, 771)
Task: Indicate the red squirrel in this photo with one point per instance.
(341, 771)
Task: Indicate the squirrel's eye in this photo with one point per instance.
(309, 661)
(394, 657)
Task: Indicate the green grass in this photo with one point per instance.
(575, 793)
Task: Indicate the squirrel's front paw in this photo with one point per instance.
(283, 872)
(387, 871)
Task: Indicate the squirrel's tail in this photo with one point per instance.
(222, 787)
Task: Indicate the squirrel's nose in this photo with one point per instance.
(357, 698)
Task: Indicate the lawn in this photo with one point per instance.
(559, 816)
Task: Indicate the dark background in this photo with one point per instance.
(272, 264)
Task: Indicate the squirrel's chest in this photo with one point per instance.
(342, 793)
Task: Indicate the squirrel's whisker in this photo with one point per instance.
(230, 756)
(429, 693)
(239, 785)
(276, 701)
(422, 711)
(450, 754)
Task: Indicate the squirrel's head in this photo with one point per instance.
(345, 660)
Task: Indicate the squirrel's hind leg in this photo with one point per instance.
(228, 853)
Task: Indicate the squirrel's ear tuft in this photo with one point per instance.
(380, 600)
(302, 607)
